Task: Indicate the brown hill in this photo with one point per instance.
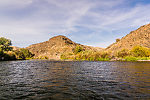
(141, 37)
(55, 46)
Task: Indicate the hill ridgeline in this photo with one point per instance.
(55, 47)
(139, 37)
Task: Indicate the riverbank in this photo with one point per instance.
(112, 60)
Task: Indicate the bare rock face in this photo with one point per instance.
(55, 46)
(141, 37)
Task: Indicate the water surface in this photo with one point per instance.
(73, 80)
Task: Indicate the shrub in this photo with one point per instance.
(130, 58)
(91, 58)
(26, 53)
(1, 54)
(117, 40)
(10, 55)
(62, 56)
(23, 54)
(1, 51)
(19, 54)
(42, 57)
(139, 51)
(123, 53)
(103, 59)
(67, 56)
(105, 54)
(77, 49)
(87, 55)
(143, 58)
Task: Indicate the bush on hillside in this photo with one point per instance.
(140, 51)
(117, 40)
(77, 49)
(123, 53)
(105, 54)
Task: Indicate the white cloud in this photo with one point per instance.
(14, 3)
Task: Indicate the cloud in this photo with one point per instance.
(14, 4)
(96, 22)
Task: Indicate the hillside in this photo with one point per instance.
(141, 37)
(55, 46)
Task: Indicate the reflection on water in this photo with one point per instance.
(43, 79)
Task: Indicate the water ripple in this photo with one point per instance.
(60, 80)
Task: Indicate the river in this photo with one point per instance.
(74, 80)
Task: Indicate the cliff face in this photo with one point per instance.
(141, 37)
(54, 47)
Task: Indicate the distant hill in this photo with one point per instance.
(141, 37)
(55, 46)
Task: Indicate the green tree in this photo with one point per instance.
(23, 53)
(140, 51)
(5, 43)
(26, 53)
(19, 54)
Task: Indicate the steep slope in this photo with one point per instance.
(141, 37)
(55, 46)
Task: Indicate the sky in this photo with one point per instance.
(90, 22)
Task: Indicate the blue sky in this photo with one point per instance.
(90, 22)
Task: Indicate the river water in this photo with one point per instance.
(73, 80)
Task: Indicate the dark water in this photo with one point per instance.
(56, 80)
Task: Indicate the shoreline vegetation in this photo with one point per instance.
(137, 53)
